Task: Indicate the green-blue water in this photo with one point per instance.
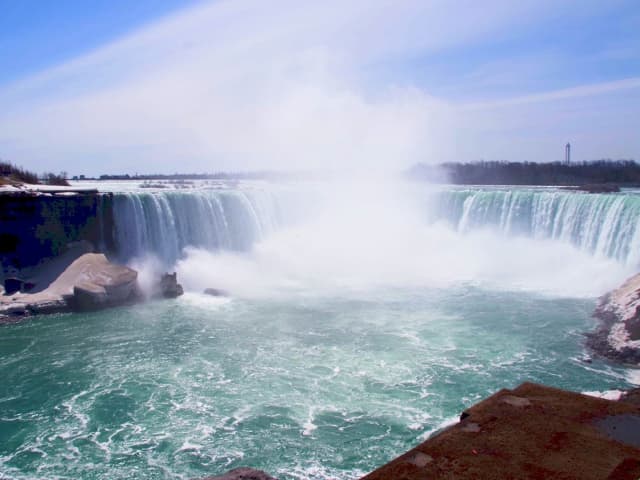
(310, 387)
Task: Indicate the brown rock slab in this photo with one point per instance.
(531, 432)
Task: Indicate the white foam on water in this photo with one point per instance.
(204, 301)
(206, 430)
(309, 426)
(447, 422)
(372, 237)
(188, 446)
(633, 376)
(606, 394)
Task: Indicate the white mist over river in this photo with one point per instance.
(361, 317)
(261, 240)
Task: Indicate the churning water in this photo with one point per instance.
(361, 318)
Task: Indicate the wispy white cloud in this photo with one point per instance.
(247, 84)
(563, 94)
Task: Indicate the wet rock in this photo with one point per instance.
(15, 309)
(47, 307)
(586, 359)
(100, 284)
(88, 296)
(214, 292)
(242, 473)
(169, 286)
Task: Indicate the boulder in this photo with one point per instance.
(98, 283)
(169, 286)
(91, 282)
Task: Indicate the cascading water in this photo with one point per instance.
(164, 223)
(606, 225)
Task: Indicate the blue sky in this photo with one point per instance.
(166, 85)
(37, 34)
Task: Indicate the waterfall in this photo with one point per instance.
(606, 225)
(164, 223)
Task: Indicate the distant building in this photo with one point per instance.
(567, 153)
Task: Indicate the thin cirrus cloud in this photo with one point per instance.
(248, 85)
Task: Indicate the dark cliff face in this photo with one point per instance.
(36, 227)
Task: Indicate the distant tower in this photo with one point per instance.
(567, 154)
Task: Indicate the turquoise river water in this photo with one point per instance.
(343, 342)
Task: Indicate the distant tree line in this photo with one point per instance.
(59, 179)
(10, 173)
(195, 176)
(620, 172)
(17, 174)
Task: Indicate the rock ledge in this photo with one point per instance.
(617, 337)
(91, 282)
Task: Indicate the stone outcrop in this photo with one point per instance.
(169, 286)
(91, 282)
(617, 337)
(100, 284)
(530, 432)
